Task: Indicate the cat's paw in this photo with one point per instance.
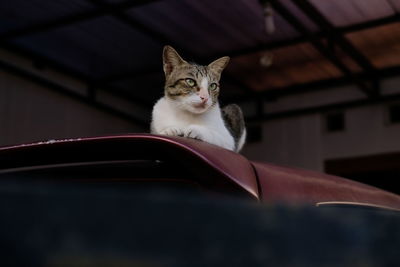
(173, 131)
(197, 132)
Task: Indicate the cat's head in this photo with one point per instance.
(191, 87)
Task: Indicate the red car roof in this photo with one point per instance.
(219, 168)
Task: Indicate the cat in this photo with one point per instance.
(190, 107)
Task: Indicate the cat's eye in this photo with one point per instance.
(190, 82)
(213, 86)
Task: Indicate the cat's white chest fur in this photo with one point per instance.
(170, 119)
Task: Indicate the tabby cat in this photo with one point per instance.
(190, 105)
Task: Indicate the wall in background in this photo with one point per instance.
(29, 112)
(293, 142)
(303, 141)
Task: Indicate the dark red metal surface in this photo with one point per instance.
(214, 167)
(282, 184)
(218, 167)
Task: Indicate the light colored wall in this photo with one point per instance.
(292, 142)
(301, 141)
(29, 112)
(367, 133)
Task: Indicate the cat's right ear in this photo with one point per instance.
(171, 59)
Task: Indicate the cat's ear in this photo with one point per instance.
(171, 59)
(219, 64)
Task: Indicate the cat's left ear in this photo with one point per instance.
(171, 59)
(219, 64)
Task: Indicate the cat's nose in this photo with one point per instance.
(203, 98)
(203, 94)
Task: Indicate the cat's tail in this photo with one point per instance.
(234, 122)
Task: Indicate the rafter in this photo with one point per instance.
(315, 15)
(318, 35)
(323, 108)
(321, 85)
(337, 38)
(268, 46)
(325, 51)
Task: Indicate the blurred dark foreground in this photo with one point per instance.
(87, 225)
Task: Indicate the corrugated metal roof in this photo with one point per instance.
(345, 12)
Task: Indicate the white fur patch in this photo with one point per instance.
(169, 119)
(204, 83)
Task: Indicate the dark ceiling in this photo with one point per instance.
(117, 45)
